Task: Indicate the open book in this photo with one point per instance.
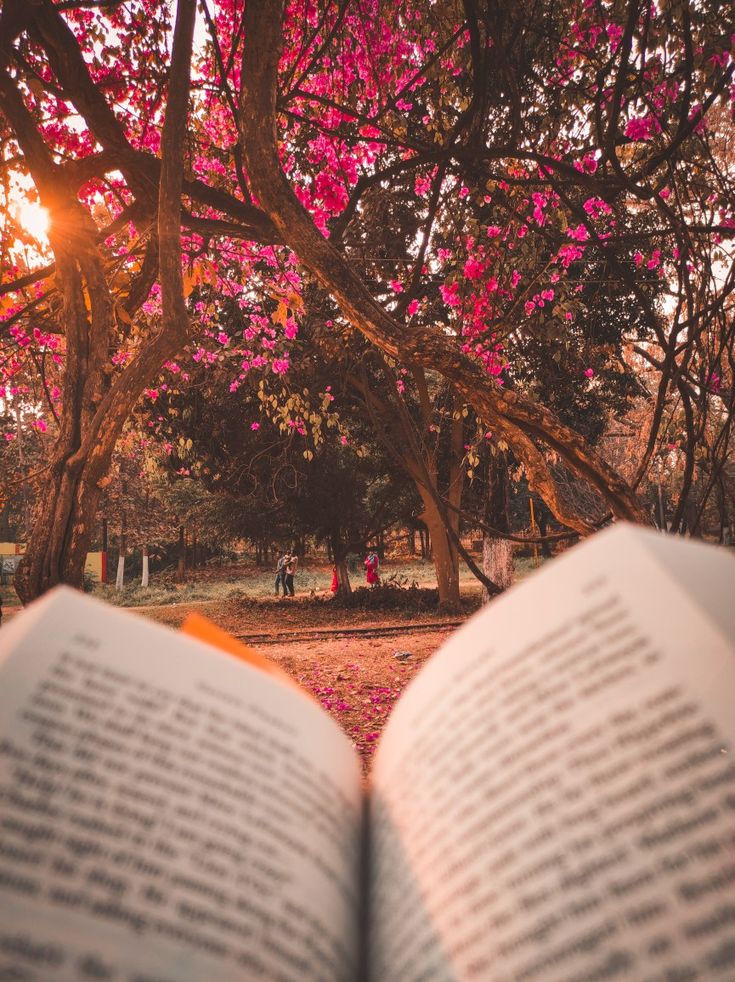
(552, 799)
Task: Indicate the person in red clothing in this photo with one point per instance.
(371, 569)
(335, 580)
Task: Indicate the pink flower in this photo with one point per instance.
(473, 269)
(493, 231)
(596, 207)
(642, 128)
(567, 254)
(449, 294)
(255, 426)
(422, 185)
(396, 287)
(615, 33)
(579, 233)
(412, 308)
(331, 191)
(589, 372)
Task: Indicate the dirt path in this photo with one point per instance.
(357, 679)
(344, 658)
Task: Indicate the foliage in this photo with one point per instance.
(452, 177)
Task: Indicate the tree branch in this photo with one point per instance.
(521, 421)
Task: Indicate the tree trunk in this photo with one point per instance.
(339, 552)
(181, 564)
(144, 575)
(446, 560)
(104, 549)
(661, 518)
(542, 520)
(497, 553)
(120, 578)
(343, 577)
(94, 412)
(455, 484)
(62, 531)
(724, 536)
(63, 526)
(497, 563)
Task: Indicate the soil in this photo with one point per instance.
(357, 679)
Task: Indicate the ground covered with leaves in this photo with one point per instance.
(357, 678)
(342, 649)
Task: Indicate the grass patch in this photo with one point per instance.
(410, 585)
(162, 594)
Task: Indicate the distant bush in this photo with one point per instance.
(389, 596)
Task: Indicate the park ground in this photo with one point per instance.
(344, 656)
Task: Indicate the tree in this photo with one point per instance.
(93, 410)
(266, 453)
(279, 152)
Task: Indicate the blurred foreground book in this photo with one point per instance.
(553, 797)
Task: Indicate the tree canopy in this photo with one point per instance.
(446, 181)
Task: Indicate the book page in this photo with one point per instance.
(167, 813)
(554, 797)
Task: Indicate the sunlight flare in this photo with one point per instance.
(33, 219)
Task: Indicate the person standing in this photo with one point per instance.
(371, 569)
(289, 570)
(281, 573)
